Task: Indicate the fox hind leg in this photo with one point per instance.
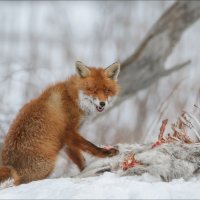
(38, 169)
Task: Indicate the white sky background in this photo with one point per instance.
(47, 37)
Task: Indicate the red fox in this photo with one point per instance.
(51, 121)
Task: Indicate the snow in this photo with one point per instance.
(106, 186)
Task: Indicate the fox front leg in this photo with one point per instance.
(85, 145)
(76, 156)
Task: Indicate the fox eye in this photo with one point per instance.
(107, 91)
(91, 90)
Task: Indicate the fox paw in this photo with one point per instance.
(111, 151)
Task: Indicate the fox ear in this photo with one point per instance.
(82, 70)
(113, 71)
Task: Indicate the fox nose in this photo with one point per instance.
(102, 104)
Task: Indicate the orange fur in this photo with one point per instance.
(48, 123)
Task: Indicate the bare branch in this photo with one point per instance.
(175, 68)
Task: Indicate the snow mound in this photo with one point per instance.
(106, 186)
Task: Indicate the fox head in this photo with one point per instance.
(97, 87)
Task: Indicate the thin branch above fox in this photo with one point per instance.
(50, 122)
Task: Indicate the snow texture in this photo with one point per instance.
(106, 186)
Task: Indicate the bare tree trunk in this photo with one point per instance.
(147, 64)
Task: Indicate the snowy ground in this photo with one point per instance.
(106, 186)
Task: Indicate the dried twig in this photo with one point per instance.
(179, 130)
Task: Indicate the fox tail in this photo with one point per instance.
(8, 177)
